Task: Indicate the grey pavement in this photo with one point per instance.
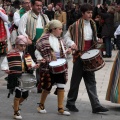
(29, 111)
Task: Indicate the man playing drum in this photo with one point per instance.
(52, 49)
(14, 65)
(83, 33)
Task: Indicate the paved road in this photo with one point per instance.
(29, 111)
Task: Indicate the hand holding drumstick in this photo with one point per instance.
(100, 40)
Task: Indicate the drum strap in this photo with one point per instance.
(23, 66)
(53, 56)
(62, 49)
(61, 43)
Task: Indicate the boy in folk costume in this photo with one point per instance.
(14, 64)
(82, 36)
(51, 47)
(3, 33)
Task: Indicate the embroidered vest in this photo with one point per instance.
(77, 33)
(14, 62)
(16, 66)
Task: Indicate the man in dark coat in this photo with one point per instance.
(107, 29)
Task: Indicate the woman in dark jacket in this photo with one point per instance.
(107, 28)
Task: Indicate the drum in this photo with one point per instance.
(27, 81)
(92, 60)
(58, 66)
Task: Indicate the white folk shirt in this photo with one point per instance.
(87, 31)
(67, 39)
(16, 18)
(4, 64)
(23, 23)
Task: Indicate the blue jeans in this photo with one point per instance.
(108, 46)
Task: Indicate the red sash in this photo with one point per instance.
(3, 34)
(88, 44)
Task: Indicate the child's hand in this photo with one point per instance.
(100, 40)
(74, 47)
(42, 60)
(7, 71)
(68, 51)
(36, 66)
(29, 41)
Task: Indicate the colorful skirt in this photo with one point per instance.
(113, 91)
(3, 47)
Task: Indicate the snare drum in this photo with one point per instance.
(27, 81)
(58, 66)
(92, 60)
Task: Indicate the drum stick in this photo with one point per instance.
(89, 48)
(94, 44)
(64, 54)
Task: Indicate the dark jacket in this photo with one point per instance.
(75, 15)
(118, 42)
(108, 26)
(50, 14)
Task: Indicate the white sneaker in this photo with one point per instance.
(65, 113)
(41, 111)
(17, 116)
